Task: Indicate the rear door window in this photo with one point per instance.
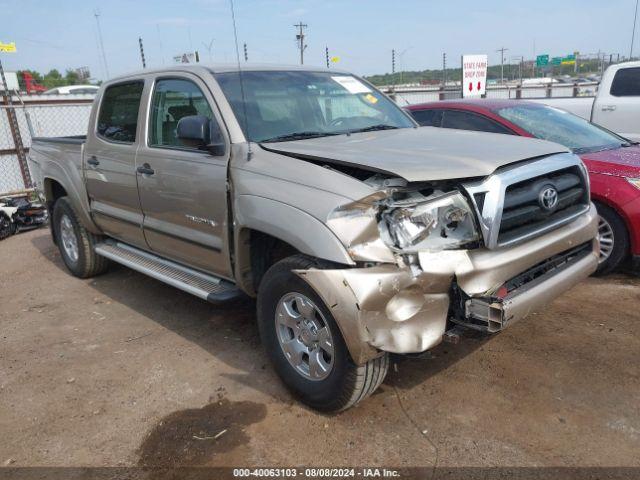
(471, 121)
(427, 118)
(118, 117)
(626, 83)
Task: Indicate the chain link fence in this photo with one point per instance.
(36, 117)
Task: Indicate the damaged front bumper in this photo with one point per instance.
(386, 308)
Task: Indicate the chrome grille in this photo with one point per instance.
(509, 202)
(523, 210)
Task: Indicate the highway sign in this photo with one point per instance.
(542, 60)
(556, 60)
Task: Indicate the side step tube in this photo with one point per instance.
(207, 287)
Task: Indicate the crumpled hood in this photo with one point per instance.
(420, 154)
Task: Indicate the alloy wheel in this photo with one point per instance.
(304, 336)
(606, 238)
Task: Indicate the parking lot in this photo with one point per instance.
(122, 370)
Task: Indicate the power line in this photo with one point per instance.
(300, 38)
(209, 48)
(96, 14)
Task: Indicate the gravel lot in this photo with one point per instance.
(122, 370)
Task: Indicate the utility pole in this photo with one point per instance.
(104, 57)
(300, 38)
(444, 70)
(633, 33)
(144, 63)
(246, 55)
(502, 50)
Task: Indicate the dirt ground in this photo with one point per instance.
(122, 370)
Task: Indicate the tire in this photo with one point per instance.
(614, 240)
(7, 227)
(333, 389)
(84, 262)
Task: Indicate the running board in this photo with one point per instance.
(207, 287)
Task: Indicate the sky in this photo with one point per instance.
(361, 33)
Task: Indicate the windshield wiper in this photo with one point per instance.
(298, 136)
(373, 128)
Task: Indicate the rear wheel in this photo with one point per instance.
(304, 342)
(614, 240)
(76, 243)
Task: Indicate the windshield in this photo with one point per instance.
(562, 127)
(293, 105)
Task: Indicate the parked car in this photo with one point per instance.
(613, 162)
(616, 105)
(73, 90)
(359, 233)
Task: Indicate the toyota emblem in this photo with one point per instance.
(548, 198)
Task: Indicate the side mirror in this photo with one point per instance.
(198, 131)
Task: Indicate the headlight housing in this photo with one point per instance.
(634, 181)
(445, 222)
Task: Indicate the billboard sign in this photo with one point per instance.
(474, 75)
(8, 47)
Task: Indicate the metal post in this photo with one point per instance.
(633, 33)
(393, 66)
(144, 63)
(444, 69)
(15, 131)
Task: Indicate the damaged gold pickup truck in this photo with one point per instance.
(358, 233)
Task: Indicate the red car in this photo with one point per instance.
(613, 162)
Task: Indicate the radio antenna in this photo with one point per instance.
(244, 101)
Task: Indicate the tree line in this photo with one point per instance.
(53, 78)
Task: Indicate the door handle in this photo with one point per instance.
(146, 169)
(608, 108)
(93, 161)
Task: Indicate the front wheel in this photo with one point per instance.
(304, 342)
(614, 240)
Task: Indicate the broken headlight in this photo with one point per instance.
(443, 223)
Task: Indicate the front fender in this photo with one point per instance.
(291, 225)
